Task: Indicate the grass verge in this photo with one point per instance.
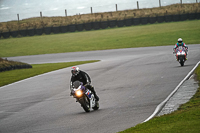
(6, 65)
(8, 77)
(127, 37)
(185, 120)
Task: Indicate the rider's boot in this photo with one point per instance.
(95, 95)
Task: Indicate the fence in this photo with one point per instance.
(101, 25)
(24, 15)
(116, 6)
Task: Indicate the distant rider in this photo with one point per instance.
(180, 43)
(83, 77)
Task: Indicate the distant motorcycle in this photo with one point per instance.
(84, 96)
(181, 55)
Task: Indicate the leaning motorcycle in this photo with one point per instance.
(181, 55)
(84, 96)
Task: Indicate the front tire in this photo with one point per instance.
(182, 63)
(181, 60)
(85, 103)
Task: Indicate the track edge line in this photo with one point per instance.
(162, 104)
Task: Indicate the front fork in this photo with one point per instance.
(178, 58)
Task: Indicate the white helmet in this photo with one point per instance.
(180, 40)
(75, 70)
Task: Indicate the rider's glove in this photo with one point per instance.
(72, 93)
(88, 83)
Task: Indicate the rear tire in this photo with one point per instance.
(96, 107)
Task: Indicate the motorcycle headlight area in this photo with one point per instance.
(78, 93)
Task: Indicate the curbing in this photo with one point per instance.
(162, 104)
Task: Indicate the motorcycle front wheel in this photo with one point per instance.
(85, 103)
(181, 60)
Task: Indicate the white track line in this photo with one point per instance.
(162, 104)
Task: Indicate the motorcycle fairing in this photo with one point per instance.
(88, 93)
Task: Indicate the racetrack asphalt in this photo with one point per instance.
(130, 83)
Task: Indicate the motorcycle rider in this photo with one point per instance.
(180, 43)
(83, 77)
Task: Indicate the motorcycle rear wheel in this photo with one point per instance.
(96, 107)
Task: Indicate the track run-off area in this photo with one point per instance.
(130, 82)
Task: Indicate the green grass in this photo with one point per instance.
(185, 120)
(8, 77)
(126, 37)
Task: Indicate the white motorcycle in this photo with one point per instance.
(84, 96)
(181, 54)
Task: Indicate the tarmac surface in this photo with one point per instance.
(131, 83)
